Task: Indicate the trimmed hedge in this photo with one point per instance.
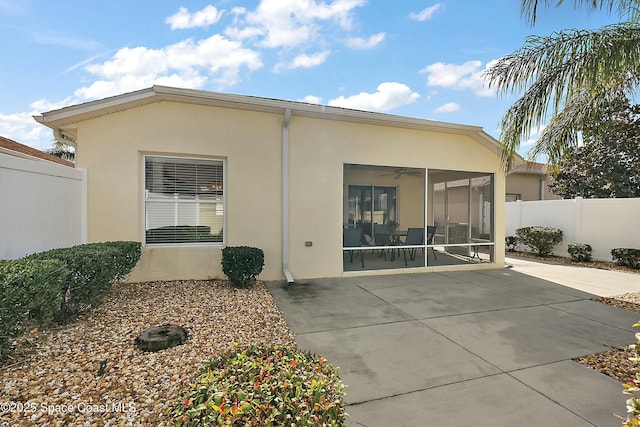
(30, 291)
(242, 264)
(580, 251)
(540, 239)
(627, 256)
(93, 268)
(59, 284)
(262, 387)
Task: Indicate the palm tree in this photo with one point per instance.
(566, 79)
(62, 150)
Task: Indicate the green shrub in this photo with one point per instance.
(242, 264)
(265, 387)
(30, 291)
(540, 239)
(93, 268)
(511, 242)
(580, 251)
(627, 256)
(124, 255)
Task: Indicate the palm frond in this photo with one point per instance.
(627, 9)
(552, 70)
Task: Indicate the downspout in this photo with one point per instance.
(285, 196)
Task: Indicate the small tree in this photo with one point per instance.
(62, 150)
(608, 164)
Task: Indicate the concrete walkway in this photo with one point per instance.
(603, 283)
(484, 348)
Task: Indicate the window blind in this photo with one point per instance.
(184, 200)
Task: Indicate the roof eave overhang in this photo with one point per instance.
(65, 119)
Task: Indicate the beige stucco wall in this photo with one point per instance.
(528, 186)
(320, 148)
(111, 148)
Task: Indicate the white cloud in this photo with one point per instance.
(22, 128)
(425, 14)
(388, 95)
(187, 63)
(449, 107)
(312, 99)
(467, 76)
(290, 23)
(294, 27)
(183, 19)
(304, 61)
(43, 105)
(360, 43)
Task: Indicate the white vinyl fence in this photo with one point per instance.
(603, 223)
(42, 206)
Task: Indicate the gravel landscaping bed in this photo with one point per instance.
(57, 381)
(615, 362)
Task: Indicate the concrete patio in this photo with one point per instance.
(478, 348)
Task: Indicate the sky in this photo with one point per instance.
(421, 59)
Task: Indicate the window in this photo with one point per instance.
(183, 200)
(360, 209)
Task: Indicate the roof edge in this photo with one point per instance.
(67, 117)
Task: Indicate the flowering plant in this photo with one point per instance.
(263, 387)
(631, 388)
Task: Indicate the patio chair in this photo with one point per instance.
(415, 236)
(431, 232)
(352, 238)
(383, 238)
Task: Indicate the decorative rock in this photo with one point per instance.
(161, 337)
(133, 377)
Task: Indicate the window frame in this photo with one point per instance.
(222, 202)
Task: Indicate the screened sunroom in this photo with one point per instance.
(400, 218)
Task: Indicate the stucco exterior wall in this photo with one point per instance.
(112, 147)
(528, 186)
(320, 148)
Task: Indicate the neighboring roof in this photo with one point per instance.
(9, 146)
(65, 119)
(529, 167)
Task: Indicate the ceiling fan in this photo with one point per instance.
(400, 172)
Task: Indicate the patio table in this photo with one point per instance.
(394, 238)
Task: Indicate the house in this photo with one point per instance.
(188, 172)
(528, 181)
